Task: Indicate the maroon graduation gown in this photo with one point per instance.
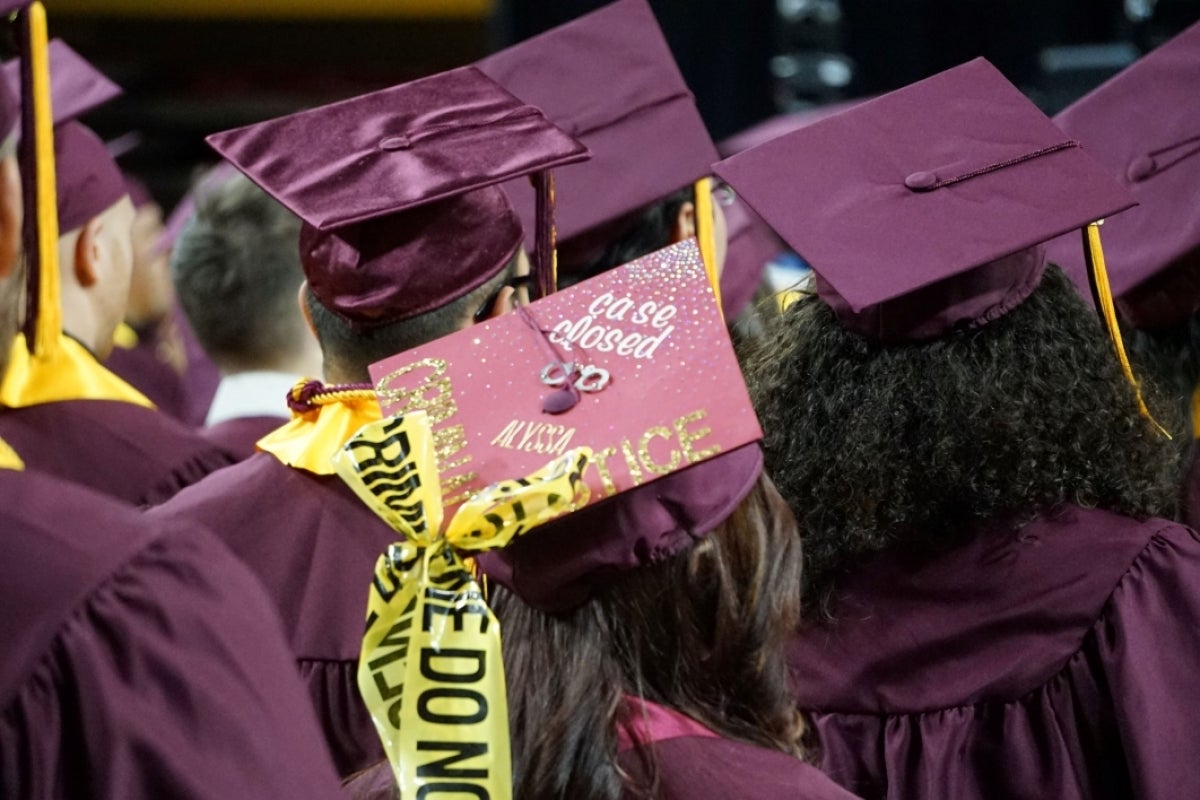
(144, 367)
(238, 436)
(691, 764)
(1060, 661)
(140, 661)
(313, 544)
(126, 451)
(1190, 499)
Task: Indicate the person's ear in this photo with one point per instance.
(302, 298)
(92, 255)
(505, 302)
(685, 223)
(10, 215)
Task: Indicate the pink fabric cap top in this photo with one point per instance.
(914, 208)
(87, 177)
(659, 399)
(398, 189)
(609, 79)
(1143, 125)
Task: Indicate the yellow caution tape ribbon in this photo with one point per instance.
(430, 669)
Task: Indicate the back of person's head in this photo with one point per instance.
(701, 632)
(349, 349)
(237, 274)
(917, 445)
(619, 242)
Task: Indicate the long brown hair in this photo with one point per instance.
(702, 632)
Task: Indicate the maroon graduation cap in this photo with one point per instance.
(87, 178)
(921, 211)
(398, 189)
(609, 79)
(1143, 125)
(76, 86)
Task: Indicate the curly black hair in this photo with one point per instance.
(920, 443)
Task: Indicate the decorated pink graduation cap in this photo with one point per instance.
(398, 189)
(551, 500)
(1143, 125)
(609, 79)
(659, 399)
(922, 211)
(76, 86)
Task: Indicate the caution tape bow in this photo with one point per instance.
(430, 669)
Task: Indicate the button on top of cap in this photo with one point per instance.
(921, 181)
(394, 143)
(1141, 168)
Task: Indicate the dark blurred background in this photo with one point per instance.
(190, 67)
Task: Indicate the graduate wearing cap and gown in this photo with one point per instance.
(136, 660)
(642, 609)
(62, 408)
(1143, 126)
(201, 377)
(237, 274)
(609, 78)
(974, 472)
(406, 236)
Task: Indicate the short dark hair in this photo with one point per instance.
(918, 445)
(350, 350)
(236, 268)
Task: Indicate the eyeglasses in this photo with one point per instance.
(723, 194)
(516, 282)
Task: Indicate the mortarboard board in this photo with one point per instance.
(1143, 125)
(398, 189)
(609, 79)
(627, 484)
(751, 242)
(76, 86)
(920, 211)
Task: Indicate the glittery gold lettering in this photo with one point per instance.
(388, 394)
(648, 460)
(688, 438)
(560, 446)
(635, 471)
(447, 442)
(600, 462)
(505, 437)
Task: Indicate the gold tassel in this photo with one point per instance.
(1104, 302)
(49, 322)
(706, 236)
